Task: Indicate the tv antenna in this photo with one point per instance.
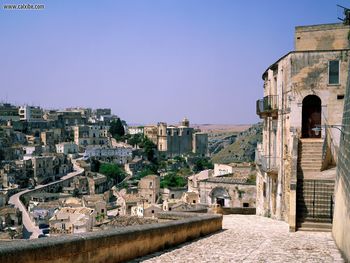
(344, 14)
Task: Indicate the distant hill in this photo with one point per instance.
(243, 147)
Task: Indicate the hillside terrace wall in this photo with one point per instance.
(117, 245)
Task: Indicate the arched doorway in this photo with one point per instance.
(219, 196)
(311, 116)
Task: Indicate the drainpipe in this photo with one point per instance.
(279, 198)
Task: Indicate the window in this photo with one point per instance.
(333, 72)
(264, 189)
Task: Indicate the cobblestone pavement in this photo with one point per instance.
(248, 238)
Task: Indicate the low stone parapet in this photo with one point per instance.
(115, 245)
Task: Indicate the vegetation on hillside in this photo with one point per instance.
(243, 149)
(117, 129)
(172, 180)
(112, 171)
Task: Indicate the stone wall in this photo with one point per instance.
(115, 245)
(341, 218)
(322, 37)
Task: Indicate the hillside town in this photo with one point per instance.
(119, 172)
(82, 184)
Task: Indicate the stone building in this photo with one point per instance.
(135, 130)
(43, 169)
(227, 191)
(177, 140)
(30, 113)
(120, 155)
(50, 167)
(48, 138)
(303, 98)
(193, 180)
(200, 144)
(149, 188)
(134, 166)
(67, 148)
(172, 192)
(15, 173)
(102, 112)
(98, 183)
(85, 135)
(67, 118)
(8, 112)
(72, 220)
(10, 217)
(151, 132)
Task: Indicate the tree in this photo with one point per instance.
(172, 180)
(202, 164)
(117, 128)
(135, 139)
(150, 149)
(112, 171)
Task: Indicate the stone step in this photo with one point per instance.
(310, 155)
(320, 220)
(308, 193)
(315, 144)
(318, 193)
(308, 165)
(307, 161)
(308, 146)
(319, 183)
(320, 205)
(314, 229)
(315, 224)
(326, 189)
(311, 168)
(314, 148)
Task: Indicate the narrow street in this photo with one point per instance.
(250, 238)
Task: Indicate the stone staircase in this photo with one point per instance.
(309, 157)
(314, 193)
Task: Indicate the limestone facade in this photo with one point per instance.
(303, 90)
(227, 191)
(149, 188)
(85, 135)
(177, 140)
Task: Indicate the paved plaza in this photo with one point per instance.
(250, 238)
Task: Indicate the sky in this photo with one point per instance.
(150, 60)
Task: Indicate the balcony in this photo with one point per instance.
(267, 163)
(267, 107)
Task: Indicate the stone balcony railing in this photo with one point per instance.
(267, 163)
(117, 245)
(267, 106)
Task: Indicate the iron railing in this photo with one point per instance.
(315, 200)
(268, 104)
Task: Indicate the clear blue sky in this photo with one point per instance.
(150, 60)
